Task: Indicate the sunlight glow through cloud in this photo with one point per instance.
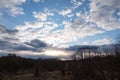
(52, 52)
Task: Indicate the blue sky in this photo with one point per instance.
(62, 23)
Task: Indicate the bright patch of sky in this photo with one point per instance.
(62, 22)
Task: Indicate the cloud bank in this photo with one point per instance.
(12, 7)
(100, 17)
(10, 44)
(59, 27)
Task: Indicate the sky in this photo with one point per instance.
(57, 23)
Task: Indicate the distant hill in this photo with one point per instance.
(100, 48)
(75, 47)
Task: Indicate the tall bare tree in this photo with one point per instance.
(80, 53)
(117, 46)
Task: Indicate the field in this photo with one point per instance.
(97, 68)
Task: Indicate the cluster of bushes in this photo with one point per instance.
(97, 68)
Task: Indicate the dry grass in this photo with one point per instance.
(54, 75)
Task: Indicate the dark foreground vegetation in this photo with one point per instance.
(13, 67)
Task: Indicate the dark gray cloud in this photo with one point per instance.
(3, 30)
(37, 44)
(9, 43)
(5, 45)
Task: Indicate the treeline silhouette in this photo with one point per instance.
(95, 68)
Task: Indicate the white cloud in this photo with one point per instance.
(103, 41)
(72, 32)
(65, 12)
(85, 43)
(36, 1)
(78, 14)
(118, 13)
(76, 3)
(57, 52)
(42, 16)
(12, 6)
(70, 15)
(101, 13)
(47, 32)
(99, 20)
(9, 43)
(73, 1)
(68, 11)
(34, 30)
(16, 11)
(28, 25)
(1, 14)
